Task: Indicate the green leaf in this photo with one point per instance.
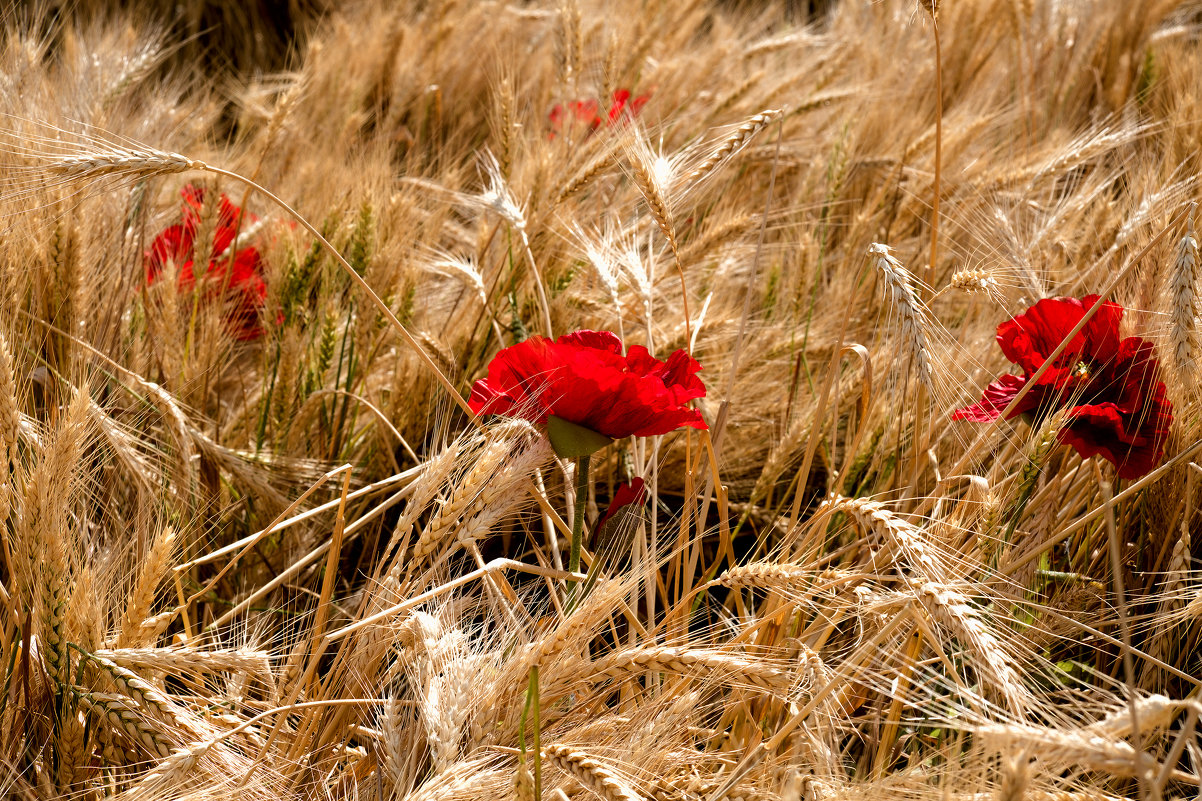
(571, 441)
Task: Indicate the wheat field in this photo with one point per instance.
(258, 545)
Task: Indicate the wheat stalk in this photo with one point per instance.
(1184, 308)
(591, 772)
(735, 141)
(134, 628)
(911, 313)
(129, 162)
(694, 661)
(466, 496)
(191, 660)
(117, 713)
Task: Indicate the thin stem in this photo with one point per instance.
(1120, 597)
(538, 753)
(938, 149)
(543, 299)
(582, 470)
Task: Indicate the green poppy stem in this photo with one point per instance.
(532, 704)
(582, 467)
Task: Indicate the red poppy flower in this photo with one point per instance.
(587, 113)
(586, 379)
(1116, 405)
(625, 495)
(582, 113)
(619, 110)
(236, 276)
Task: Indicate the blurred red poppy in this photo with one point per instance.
(232, 273)
(625, 108)
(582, 113)
(586, 114)
(1116, 405)
(585, 379)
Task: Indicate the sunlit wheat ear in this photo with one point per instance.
(912, 315)
(769, 575)
(137, 628)
(497, 196)
(710, 242)
(586, 176)
(445, 707)
(118, 714)
(1016, 776)
(955, 611)
(462, 269)
(937, 592)
(591, 772)
(506, 491)
(604, 260)
(142, 162)
(1081, 747)
(1184, 311)
(732, 668)
(523, 782)
(10, 424)
(491, 484)
(192, 660)
(170, 771)
(974, 281)
(44, 535)
(432, 479)
(73, 749)
(732, 143)
(147, 697)
(654, 174)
